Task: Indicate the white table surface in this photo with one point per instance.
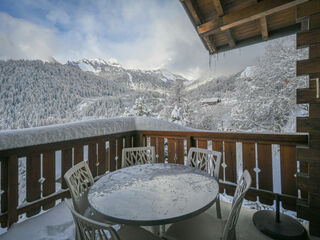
(153, 194)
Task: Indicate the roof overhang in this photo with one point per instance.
(227, 24)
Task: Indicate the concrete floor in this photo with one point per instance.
(46, 226)
(245, 228)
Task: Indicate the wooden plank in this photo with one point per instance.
(308, 8)
(314, 200)
(191, 142)
(161, 149)
(203, 143)
(78, 153)
(41, 202)
(264, 28)
(153, 142)
(249, 163)
(66, 164)
(193, 11)
(119, 151)
(171, 150)
(313, 171)
(112, 154)
(49, 174)
(128, 141)
(308, 155)
(288, 170)
(314, 51)
(210, 44)
(304, 168)
(307, 95)
(305, 124)
(180, 151)
(304, 182)
(287, 139)
(265, 166)
(102, 168)
(92, 158)
(12, 190)
(314, 21)
(33, 191)
(303, 210)
(4, 188)
(314, 110)
(308, 66)
(218, 7)
(230, 38)
(218, 146)
(231, 162)
(309, 38)
(251, 13)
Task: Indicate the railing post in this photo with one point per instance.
(12, 190)
(4, 189)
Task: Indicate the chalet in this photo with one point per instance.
(210, 101)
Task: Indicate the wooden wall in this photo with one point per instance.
(309, 158)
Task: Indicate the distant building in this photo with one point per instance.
(210, 101)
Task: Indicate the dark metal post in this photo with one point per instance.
(277, 208)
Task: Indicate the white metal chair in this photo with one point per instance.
(137, 156)
(79, 179)
(207, 227)
(208, 161)
(88, 229)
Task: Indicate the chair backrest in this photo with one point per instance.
(241, 190)
(79, 179)
(206, 160)
(89, 229)
(137, 156)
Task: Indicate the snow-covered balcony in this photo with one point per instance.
(33, 161)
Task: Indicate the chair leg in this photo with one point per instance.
(218, 207)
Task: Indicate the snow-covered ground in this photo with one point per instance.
(54, 224)
(57, 223)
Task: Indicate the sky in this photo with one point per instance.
(144, 34)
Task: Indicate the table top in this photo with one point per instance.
(153, 194)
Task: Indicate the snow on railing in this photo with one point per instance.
(31, 158)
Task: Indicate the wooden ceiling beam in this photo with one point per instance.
(264, 28)
(210, 44)
(193, 11)
(218, 7)
(195, 15)
(251, 13)
(231, 41)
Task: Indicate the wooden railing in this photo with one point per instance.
(261, 154)
(104, 153)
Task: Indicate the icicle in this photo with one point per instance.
(210, 61)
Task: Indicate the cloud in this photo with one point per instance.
(143, 34)
(22, 39)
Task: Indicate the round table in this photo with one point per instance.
(153, 194)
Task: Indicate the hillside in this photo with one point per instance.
(36, 93)
(259, 98)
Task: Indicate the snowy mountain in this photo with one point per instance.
(97, 65)
(259, 98)
(160, 79)
(36, 93)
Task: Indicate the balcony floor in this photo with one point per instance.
(57, 223)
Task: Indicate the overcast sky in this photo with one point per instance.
(144, 34)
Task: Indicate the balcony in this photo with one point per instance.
(48, 152)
